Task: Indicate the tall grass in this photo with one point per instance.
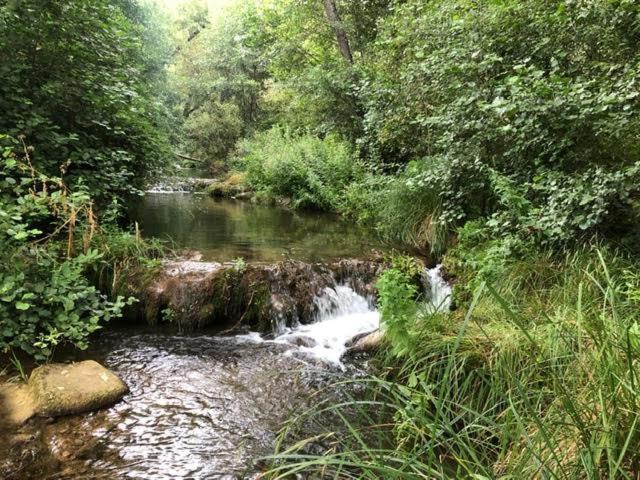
(537, 377)
(410, 214)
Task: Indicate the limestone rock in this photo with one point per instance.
(67, 389)
(222, 296)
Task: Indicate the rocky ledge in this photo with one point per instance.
(190, 295)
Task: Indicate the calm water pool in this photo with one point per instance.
(226, 229)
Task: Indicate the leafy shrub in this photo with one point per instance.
(91, 112)
(311, 172)
(540, 95)
(398, 289)
(364, 197)
(45, 302)
(46, 298)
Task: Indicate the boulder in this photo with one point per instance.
(16, 404)
(67, 389)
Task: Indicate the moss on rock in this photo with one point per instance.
(195, 295)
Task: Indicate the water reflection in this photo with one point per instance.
(225, 229)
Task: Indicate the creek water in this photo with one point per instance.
(207, 407)
(226, 229)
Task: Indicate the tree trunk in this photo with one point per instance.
(334, 19)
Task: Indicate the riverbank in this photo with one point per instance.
(535, 375)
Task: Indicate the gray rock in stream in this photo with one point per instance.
(367, 343)
(66, 389)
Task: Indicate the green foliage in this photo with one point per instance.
(18, 367)
(541, 97)
(83, 86)
(397, 305)
(519, 113)
(212, 131)
(169, 315)
(239, 264)
(311, 172)
(45, 302)
(522, 114)
(219, 77)
(46, 299)
(78, 80)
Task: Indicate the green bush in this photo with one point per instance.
(80, 80)
(398, 308)
(309, 171)
(46, 301)
(540, 97)
(46, 295)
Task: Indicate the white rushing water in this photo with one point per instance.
(439, 289)
(342, 314)
(180, 185)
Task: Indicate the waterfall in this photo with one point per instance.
(181, 185)
(341, 315)
(438, 288)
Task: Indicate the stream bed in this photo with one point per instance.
(200, 406)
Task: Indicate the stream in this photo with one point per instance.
(206, 406)
(226, 229)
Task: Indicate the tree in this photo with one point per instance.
(341, 35)
(79, 81)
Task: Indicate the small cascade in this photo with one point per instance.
(341, 315)
(181, 185)
(438, 288)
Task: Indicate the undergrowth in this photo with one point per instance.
(536, 376)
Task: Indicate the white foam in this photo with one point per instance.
(341, 315)
(439, 289)
(251, 337)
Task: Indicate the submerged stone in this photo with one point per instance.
(67, 389)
